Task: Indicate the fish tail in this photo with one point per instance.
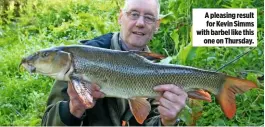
(226, 96)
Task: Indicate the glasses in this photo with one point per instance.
(134, 15)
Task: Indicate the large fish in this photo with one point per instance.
(127, 74)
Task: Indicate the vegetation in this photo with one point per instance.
(29, 25)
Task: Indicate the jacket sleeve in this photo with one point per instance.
(57, 112)
(153, 118)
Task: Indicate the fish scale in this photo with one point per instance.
(142, 75)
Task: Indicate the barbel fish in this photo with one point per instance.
(129, 75)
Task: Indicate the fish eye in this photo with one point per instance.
(44, 54)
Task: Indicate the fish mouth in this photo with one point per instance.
(29, 67)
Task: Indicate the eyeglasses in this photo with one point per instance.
(134, 15)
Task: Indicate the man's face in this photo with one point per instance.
(136, 32)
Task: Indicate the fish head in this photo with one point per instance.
(51, 62)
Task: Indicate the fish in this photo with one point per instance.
(130, 75)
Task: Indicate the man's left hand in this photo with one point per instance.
(171, 101)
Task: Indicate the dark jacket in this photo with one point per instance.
(107, 111)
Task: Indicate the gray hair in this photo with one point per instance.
(126, 4)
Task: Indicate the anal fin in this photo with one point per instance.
(200, 94)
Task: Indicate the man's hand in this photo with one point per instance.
(77, 107)
(171, 102)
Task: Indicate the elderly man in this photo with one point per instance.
(139, 21)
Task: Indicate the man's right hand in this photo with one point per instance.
(77, 107)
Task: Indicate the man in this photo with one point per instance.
(138, 21)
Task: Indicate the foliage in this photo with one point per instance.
(45, 23)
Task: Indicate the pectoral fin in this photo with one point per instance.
(200, 94)
(84, 91)
(140, 109)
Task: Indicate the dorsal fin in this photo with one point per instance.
(149, 55)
